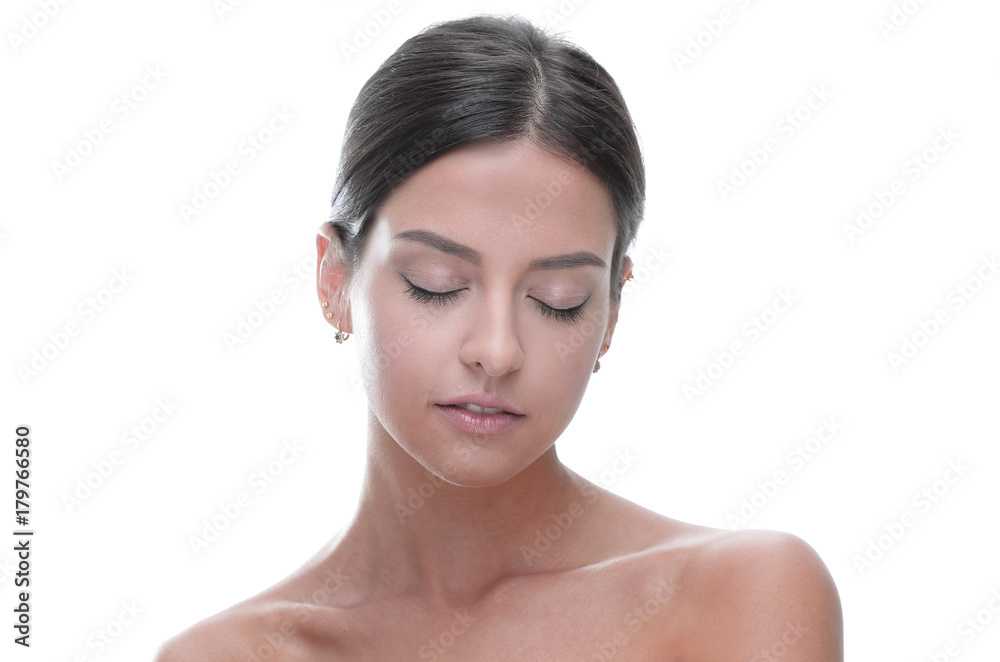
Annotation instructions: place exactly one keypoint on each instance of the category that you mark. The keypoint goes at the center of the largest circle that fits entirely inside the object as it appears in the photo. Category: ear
(332, 279)
(613, 311)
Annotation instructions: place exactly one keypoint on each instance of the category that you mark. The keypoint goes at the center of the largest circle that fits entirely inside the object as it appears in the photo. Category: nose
(492, 342)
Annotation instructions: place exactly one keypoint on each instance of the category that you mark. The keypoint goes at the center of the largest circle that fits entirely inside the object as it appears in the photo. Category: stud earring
(329, 315)
(597, 366)
(340, 336)
(324, 304)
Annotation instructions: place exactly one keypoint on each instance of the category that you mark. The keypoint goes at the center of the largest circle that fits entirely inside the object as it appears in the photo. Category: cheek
(572, 346)
(387, 347)
(400, 346)
(562, 357)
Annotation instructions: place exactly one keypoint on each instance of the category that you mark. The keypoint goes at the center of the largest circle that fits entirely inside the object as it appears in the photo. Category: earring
(597, 366)
(628, 277)
(340, 336)
(324, 304)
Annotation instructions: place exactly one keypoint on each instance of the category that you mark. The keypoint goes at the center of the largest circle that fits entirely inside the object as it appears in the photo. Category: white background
(63, 238)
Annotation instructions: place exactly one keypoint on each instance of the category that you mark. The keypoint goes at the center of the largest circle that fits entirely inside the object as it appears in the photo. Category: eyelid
(429, 296)
(563, 314)
(546, 297)
(568, 315)
(435, 277)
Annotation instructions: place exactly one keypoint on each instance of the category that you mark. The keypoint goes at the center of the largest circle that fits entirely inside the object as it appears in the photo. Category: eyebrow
(437, 242)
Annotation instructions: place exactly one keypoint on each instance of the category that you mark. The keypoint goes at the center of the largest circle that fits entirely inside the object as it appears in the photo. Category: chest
(551, 620)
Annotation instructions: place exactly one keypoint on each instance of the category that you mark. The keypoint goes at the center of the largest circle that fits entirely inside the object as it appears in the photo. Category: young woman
(490, 186)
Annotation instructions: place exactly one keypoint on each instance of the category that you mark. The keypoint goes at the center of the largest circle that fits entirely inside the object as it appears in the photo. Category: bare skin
(474, 546)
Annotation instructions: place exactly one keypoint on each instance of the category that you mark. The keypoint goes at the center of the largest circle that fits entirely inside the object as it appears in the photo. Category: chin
(473, 477)
(474, 469)
(478, 465)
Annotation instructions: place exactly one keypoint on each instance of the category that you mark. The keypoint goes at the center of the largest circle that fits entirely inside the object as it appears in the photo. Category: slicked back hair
(485, 78)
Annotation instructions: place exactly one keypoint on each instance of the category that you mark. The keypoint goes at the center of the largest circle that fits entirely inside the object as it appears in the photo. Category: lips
(476, 409)
(481, 403)
(476, 423)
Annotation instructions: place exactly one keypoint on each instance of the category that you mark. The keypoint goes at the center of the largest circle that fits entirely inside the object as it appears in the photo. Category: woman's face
(486, 275)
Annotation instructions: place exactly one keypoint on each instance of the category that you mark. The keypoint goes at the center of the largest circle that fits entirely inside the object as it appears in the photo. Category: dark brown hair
(485, 78)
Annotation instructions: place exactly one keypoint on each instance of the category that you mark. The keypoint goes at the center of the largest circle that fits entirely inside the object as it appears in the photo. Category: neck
(419, 535)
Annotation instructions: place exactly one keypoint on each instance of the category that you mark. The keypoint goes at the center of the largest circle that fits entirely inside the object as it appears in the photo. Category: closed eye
(422, 295)
(562, 314)
(429, 296)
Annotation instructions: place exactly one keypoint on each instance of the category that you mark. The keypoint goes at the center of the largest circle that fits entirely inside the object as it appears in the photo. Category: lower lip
(474, 423)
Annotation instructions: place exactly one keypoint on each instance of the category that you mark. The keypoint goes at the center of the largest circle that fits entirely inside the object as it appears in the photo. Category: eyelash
(568, 315)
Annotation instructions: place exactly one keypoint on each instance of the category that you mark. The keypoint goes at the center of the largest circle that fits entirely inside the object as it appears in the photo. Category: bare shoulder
(764, 593)
(215, 638)
(291, 620)
(255, 629)
(750, 594)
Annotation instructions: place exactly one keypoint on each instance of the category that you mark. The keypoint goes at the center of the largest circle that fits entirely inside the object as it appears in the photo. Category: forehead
(509, 197)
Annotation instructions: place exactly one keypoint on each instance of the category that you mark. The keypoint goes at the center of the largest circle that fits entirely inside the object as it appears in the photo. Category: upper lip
(483, 400)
